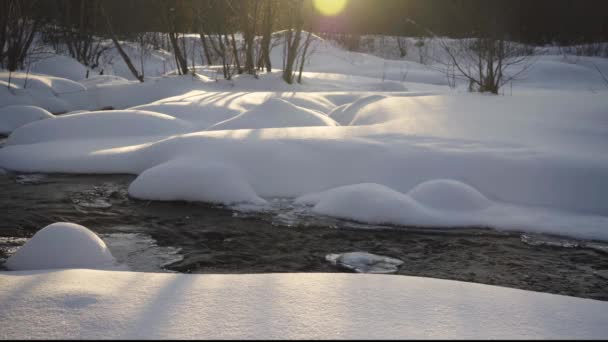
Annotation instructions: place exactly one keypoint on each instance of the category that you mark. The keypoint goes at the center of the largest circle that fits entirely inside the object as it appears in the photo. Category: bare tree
(486, 63)
(79, 38)
(122, 53)
(17, 34)
(402, 44)
(292, 38)
(264, 59)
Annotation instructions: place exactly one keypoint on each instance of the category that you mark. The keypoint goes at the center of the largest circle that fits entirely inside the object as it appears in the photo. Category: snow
(275, 113)
(194, 180)
(370, 203)
(90, 304)
(12, 117)
(102, 124)
(61, 245)
(60, 66)
(448, 194)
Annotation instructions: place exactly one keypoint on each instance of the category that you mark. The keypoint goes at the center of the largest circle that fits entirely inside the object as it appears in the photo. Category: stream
(200, 238)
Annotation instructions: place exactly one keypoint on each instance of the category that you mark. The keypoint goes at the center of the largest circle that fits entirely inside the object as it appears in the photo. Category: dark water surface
(198, 238)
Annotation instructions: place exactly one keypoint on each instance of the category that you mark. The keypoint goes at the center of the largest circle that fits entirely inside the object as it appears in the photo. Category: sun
(329, 7)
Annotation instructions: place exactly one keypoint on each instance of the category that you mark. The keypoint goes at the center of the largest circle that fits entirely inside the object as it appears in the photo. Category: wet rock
(362, 262)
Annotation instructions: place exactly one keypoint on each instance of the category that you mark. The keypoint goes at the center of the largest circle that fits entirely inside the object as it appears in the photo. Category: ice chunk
(62, 245)
(362, 262)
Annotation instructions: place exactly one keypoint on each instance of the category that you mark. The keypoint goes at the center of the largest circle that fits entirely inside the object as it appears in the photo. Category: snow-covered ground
(90, 304)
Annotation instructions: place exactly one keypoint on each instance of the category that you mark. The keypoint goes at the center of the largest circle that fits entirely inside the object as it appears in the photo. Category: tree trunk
(122, 53)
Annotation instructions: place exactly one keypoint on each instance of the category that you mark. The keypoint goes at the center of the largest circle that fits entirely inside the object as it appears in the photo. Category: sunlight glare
(329, 7)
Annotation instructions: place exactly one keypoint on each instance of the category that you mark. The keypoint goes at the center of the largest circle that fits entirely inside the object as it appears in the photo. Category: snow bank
(51, 93)
(60, 66)
(194, 180)
(89, 304)
(370, 203)
(99, 125)
(446, 203)
(61, 245)
(13, 117)
(275, 112)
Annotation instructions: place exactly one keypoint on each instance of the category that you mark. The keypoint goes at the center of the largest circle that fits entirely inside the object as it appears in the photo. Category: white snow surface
(97, 125)
(275, 113)
(90, 304)
(194, 180)
(15, 116)
(62, 245)
(60, 66)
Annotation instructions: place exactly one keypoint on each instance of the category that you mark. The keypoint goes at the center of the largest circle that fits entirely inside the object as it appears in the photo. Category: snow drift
(194, 180)
(13, 117)
(62, 245)
(275, 112)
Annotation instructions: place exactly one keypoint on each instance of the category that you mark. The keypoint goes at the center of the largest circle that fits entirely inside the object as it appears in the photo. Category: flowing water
(199, 238)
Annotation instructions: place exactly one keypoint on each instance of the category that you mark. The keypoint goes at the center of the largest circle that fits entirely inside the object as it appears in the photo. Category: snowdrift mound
(99, 125)
(51, 84)
(366, 202)
(273, 113)
(60, 66)
(51, 93)
(194, 180)
(345, 114)
(446, 194)
(201, 115)
(13, 117)
(62, 245)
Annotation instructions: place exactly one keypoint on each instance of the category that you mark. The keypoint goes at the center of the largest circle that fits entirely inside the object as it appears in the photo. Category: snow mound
(194, 180)
(446, 194)
(273, 113)
(99, 125)
(13, 117)
(366, 202)
(362, 262)
(345, 114)
(51, 84)
(60, 66)
(202, 115)
(48, 92)
(381, 111)
(62, 245)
